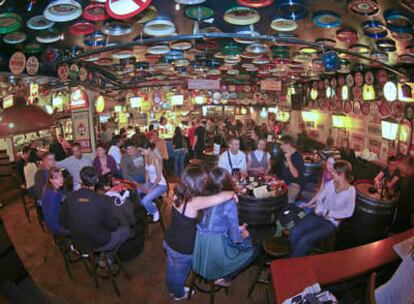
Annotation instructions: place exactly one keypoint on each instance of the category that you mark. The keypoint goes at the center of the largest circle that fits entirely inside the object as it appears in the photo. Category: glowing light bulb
(177, 7)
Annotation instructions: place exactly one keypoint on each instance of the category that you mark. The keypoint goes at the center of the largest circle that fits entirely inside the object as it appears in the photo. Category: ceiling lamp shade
(389, 129)
(22, 118)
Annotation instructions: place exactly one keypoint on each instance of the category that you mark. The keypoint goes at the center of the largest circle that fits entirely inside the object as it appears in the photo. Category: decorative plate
(255, 3)
(357, 92)
(181, 45)
(398, 21)
(322, 103)
(104, 61)
(384, 109)
(397, 110)
(124, 9)
(365, 108)
(246, 40)
(347, 107)
(326, 42)
(159, 27)
(326, 19)
(283, 25)
(357, 107)
(292, 9)
(241, 16)
(374, 29)
(39, 22)
(347, 35)
(15, 38)
(209, 45)
(199, 12)
(404, 58)
(63, 10)
(386, 45)
(95, 12)
(190, 2)
(96, 39)
(9, 22)
(334, 82)
(330, 105)
(382, 76)
(123, 54)
(116, 28)
(409, 112)
(82, 28)
(158, 49)
(369, 78)
(403, 37)
(380, 56)
(32, 48)
(359, 79)
(364, 7)
(350, 80)
(360, 48)
(48, 36)
(338, 105)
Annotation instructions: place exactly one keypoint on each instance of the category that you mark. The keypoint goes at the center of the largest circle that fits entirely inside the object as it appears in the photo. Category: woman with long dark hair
(52, 199)
(180, 235)
(223, 247)
(104, 163)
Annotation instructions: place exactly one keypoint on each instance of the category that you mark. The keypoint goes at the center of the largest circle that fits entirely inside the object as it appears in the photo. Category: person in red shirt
(150, 132)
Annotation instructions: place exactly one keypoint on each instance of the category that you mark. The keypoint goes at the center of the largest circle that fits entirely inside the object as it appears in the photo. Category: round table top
(280, 188)
(363, 190)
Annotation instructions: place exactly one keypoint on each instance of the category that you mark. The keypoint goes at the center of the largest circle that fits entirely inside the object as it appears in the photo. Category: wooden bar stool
(274, 248)
(159, 202)
(197, 282)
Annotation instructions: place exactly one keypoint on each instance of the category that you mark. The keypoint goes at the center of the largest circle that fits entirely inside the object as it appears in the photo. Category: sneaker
(156, 216)
(222, 283)
(186, 295)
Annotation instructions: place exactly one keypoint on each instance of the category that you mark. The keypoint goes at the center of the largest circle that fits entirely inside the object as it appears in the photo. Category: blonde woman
(155, 182)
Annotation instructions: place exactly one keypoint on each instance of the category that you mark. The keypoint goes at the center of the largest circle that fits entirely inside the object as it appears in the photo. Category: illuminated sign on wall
(390, 91)
(78, 100)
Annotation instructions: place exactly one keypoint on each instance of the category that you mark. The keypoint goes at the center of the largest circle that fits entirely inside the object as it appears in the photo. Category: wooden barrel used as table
(261, 211)
(372, 218)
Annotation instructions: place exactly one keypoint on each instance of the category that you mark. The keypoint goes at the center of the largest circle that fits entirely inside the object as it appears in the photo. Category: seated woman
(104, 163)
(155, 182)
(258, 161)
(51, 202)
(334, 203)
(346, 152)
(180, 235)
(390, 176)
(221, 224)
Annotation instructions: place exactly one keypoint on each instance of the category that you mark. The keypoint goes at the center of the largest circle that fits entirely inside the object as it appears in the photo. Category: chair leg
(25, 207)
(192, 280)
(261, 267)
(212, 291)
(111, 275)
(66, 259)
(94, 266)
(121, 266)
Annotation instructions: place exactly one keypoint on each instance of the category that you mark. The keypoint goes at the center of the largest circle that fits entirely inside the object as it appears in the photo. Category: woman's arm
(232, 222)
(392, 183)
(203, 202)
(378, 178)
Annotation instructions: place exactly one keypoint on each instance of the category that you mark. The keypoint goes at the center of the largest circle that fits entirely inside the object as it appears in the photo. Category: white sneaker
(186, 295)
(156, 216)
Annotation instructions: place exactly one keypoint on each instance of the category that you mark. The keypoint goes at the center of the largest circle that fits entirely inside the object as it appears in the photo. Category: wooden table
(291, 276)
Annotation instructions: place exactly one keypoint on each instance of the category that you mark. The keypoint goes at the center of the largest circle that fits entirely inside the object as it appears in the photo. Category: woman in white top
(335, 202)
(258, 161)
(155, 183)
(115, 150)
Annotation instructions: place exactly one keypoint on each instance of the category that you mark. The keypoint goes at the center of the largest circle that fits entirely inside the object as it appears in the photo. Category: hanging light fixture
(389, 129)
(22, 118)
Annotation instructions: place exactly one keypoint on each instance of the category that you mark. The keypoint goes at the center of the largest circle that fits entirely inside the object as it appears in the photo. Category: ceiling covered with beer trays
(286, 39)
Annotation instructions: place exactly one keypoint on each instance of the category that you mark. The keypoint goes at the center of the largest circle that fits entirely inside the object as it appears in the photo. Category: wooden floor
(44, 263)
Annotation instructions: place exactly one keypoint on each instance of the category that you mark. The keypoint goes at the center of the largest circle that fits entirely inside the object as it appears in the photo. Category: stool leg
(256, 278)
(212, 291)
(162, 224)
(121, 266)
(25, 207)
(192, 280)
(66, 259)
(94, 266)
(111, 275)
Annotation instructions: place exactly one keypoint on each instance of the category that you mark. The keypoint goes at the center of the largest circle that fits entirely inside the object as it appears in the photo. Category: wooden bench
(291, 276)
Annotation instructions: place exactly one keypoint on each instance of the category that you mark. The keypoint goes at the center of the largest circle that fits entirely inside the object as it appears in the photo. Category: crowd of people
(67, 187)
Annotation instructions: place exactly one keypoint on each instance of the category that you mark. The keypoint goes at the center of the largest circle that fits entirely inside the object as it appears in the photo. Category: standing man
(233, 160)
(74, 164)
(57, 149)
(292, 172)
(133, 164)
(199, 139)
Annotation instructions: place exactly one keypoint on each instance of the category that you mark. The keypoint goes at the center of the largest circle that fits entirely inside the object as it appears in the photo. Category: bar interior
(207, 151)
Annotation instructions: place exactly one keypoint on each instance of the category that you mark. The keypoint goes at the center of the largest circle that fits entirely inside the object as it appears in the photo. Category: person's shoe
(156, 216)
(186, 294)
(222, 283)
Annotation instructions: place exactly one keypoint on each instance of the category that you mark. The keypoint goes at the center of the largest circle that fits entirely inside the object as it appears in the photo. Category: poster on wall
(271, 85)
(204, 84)
(81, 130)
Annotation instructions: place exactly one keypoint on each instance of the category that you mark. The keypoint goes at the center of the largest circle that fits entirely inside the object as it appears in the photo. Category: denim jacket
(224, 219)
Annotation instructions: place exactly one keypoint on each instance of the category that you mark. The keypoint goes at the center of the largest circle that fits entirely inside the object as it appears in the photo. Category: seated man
(335, 202)
(390, 176)
(90, 217)
(330, 150)
(258, 161)
(48, 162)
(133, 164)
(233, 160)
(292, 172)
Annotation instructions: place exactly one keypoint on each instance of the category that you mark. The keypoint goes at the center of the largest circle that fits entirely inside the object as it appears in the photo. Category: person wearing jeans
(179, 161)
(336, 201)
(155, 182)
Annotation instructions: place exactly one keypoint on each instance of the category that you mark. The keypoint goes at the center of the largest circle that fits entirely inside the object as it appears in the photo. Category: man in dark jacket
(90, 219)
(48, 162)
